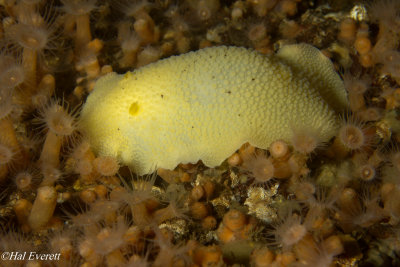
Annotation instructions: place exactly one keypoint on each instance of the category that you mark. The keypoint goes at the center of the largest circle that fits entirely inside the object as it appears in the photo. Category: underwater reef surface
(301, 201)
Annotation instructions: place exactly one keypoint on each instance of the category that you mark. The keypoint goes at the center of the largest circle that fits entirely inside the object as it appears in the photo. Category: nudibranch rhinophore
(206, 104)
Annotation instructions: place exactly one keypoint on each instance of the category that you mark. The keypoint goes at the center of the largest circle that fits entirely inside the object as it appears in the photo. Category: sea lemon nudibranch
(206, 104)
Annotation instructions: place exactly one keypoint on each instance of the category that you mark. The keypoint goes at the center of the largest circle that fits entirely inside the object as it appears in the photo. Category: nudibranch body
(204, 105)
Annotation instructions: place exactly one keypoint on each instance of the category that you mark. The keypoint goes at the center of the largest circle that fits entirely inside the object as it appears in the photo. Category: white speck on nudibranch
(206, 104)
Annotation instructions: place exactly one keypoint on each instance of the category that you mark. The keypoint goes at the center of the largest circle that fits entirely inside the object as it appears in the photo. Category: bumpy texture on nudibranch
(206, 104)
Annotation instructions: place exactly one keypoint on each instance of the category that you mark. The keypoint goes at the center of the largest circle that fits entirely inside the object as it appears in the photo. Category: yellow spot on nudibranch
(134, 109)
(269, 97)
